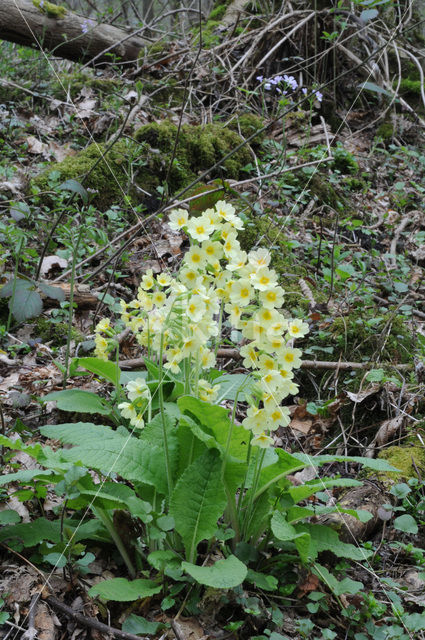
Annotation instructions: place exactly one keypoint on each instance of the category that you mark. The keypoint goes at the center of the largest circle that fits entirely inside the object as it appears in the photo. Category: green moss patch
(198, 149)
(75, 82)
(147, 159)
(56, 332)
(408, 460)
(52, 10)
(109, 173)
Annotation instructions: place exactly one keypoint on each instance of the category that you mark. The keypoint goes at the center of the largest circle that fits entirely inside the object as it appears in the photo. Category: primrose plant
(180, 321)
(191, 457)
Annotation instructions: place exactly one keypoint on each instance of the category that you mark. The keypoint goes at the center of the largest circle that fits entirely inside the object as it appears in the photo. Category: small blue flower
(260, 78)
(267, 86)
(41, 5)
(304, 90)
(319, 96)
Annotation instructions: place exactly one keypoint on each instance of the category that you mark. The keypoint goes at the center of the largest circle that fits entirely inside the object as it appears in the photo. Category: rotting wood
(72, 36)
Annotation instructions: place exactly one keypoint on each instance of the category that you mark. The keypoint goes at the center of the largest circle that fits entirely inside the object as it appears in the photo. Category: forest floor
(338, 198)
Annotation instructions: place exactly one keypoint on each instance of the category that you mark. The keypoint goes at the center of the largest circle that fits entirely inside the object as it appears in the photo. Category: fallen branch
(66, 34)
(90, 623)
(227, 352)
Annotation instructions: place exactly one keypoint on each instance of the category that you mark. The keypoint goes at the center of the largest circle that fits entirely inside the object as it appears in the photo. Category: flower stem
(164, 426)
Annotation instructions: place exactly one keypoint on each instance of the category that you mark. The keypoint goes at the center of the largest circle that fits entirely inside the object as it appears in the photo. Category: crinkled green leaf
(324, 538)
(104, 368)
(25, 476)
(224, 574)
(309, 489)
(32, 533)
(7, 290)
(286, 532)
(122, 590)
(9, 516)
(198, 501)
(234, 385)
(215, 423)
(137, 625)
(101, 448)
(78, 401)
(369, 463)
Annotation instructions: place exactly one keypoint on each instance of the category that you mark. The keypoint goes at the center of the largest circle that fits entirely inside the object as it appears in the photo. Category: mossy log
(42, 24)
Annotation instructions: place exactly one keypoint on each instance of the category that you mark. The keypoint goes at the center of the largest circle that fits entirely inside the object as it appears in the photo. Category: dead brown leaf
(357, 398)
(37, 147)
(310, 584)
(44, 622)
(51, 263)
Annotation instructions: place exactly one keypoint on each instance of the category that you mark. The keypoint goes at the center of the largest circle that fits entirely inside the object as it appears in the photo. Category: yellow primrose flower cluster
(181, 317)
(140, 397)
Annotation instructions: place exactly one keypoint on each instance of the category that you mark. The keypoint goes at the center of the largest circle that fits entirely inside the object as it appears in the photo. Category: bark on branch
(66, 34)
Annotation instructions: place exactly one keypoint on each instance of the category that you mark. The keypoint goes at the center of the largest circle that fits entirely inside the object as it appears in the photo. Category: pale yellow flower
(159, 298)
(241, 292)
(289, 357)
(297, 328)
(178, 219)
(147, 280)
(137, 389)
(103, 325)
(195, 257)
(213, 250)
(262, 440)
(200, 228)
(263, 279)
(206, 358)
(266, 363)
(164, 280)
(225, 211)
(272, 298)
(235, 312)
(208, 392)
(259, 258)
(190, 278)
(250, 355)
(278, 417)
(195, 308)
(237, 261)
(254, 331)
(255, 419)
(101, 347)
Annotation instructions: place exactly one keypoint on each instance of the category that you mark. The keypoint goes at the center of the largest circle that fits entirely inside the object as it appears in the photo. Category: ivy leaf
(9, 516)
(75, 187)
(137, 625)
(54, 293)
(122, 590)
(406, 524)
(262, 581)
(26, 304)
(224, 574)
(198, 501)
